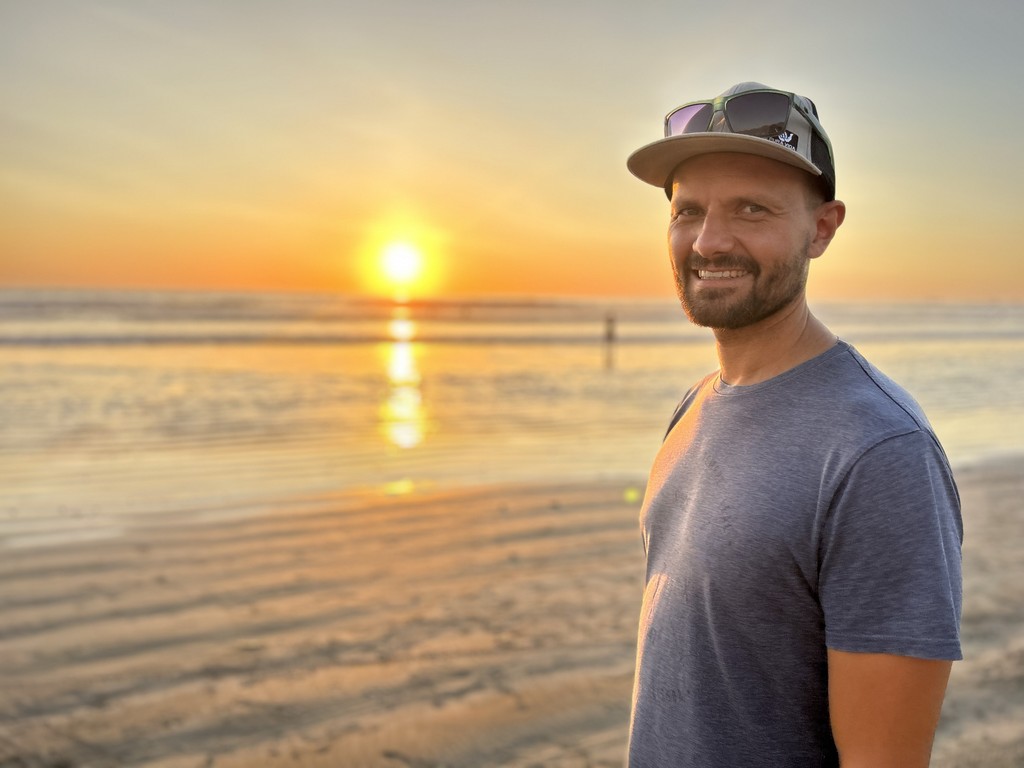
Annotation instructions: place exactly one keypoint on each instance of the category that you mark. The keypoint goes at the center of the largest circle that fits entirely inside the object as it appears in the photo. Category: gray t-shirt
(814, 510)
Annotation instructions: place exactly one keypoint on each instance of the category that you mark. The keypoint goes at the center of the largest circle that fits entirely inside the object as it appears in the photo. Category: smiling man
(801, 524)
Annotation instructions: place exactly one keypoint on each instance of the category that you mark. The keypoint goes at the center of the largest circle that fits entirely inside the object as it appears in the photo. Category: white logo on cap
(787, 139)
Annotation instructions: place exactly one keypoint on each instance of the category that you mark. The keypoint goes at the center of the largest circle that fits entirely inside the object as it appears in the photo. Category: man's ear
(827, 219)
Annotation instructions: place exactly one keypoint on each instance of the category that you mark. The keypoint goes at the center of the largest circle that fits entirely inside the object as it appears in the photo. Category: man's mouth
(725, 274)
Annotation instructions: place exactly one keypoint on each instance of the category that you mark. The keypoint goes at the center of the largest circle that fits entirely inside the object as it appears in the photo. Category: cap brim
(655, 162)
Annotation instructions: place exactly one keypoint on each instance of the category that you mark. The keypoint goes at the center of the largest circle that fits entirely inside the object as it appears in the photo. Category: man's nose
(715, 236)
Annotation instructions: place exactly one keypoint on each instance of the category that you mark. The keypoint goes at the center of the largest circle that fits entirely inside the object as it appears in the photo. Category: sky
(259, 145)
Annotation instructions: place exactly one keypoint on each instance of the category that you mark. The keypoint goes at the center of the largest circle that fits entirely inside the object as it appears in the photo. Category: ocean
(118, 404)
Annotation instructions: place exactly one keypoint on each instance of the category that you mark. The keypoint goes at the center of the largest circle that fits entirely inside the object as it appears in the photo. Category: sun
(402, 264)
(402, 269)
(400, 257)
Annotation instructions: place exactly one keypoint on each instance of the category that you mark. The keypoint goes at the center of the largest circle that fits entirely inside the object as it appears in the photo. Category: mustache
(724, 262)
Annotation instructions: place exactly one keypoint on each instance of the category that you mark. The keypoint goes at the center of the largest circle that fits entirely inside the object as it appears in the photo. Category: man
(801, 523)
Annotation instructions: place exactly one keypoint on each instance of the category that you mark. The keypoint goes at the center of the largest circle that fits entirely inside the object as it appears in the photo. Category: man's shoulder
(838, 399)
(838, 396)
(864, 390)
(688, 399)
(839, 382)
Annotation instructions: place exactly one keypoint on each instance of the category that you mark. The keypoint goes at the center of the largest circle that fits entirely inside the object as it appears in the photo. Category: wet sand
(486, 627)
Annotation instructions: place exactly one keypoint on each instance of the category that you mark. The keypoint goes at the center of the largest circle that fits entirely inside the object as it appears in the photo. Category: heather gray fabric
(812, 510)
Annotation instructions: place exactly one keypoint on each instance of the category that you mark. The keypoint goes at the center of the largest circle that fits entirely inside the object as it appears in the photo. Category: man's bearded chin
(716, 309)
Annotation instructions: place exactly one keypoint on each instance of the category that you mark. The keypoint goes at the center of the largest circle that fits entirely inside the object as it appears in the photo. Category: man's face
(739, 238)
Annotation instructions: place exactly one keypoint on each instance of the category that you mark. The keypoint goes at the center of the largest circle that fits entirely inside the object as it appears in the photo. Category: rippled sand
(474, 628)
(492, 627)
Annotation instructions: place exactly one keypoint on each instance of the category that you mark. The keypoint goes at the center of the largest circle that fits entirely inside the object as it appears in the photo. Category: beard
(716, 308)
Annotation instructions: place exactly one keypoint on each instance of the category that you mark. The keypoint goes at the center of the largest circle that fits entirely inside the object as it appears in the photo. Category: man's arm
(884, 708)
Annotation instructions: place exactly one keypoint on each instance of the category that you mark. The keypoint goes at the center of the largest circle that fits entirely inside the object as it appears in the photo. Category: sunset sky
(288, 145)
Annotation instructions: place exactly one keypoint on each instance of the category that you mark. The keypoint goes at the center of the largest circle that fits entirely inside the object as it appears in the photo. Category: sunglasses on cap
(764, 114)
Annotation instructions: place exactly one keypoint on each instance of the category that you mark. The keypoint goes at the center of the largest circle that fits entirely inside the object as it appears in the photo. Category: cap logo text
(786, 139)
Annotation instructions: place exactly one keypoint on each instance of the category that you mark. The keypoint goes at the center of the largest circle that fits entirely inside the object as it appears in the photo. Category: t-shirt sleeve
(890, 567)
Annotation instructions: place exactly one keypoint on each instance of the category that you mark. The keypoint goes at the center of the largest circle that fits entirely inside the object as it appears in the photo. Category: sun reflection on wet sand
(402, 414)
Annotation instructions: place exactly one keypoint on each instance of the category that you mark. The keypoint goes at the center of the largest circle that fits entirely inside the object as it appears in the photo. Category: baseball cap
(749, 118)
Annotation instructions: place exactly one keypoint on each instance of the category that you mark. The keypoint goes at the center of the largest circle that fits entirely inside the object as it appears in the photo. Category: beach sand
(484, 627)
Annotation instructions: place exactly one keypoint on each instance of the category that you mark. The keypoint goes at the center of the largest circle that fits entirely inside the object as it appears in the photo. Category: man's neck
(772, 346)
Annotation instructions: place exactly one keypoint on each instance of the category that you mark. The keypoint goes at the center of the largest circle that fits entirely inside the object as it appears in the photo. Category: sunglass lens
(693, 118)
(758, 114)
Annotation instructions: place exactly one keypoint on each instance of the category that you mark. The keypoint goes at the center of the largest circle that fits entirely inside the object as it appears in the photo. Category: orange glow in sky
(336, 147)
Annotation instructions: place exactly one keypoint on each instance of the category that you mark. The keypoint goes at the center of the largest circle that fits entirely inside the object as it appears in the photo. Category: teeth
(706, 274)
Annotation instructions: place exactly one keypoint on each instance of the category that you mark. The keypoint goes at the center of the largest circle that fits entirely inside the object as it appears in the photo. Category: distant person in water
(801, 523)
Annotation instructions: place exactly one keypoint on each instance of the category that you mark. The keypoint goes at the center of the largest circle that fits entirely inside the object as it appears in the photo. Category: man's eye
(753, 208)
